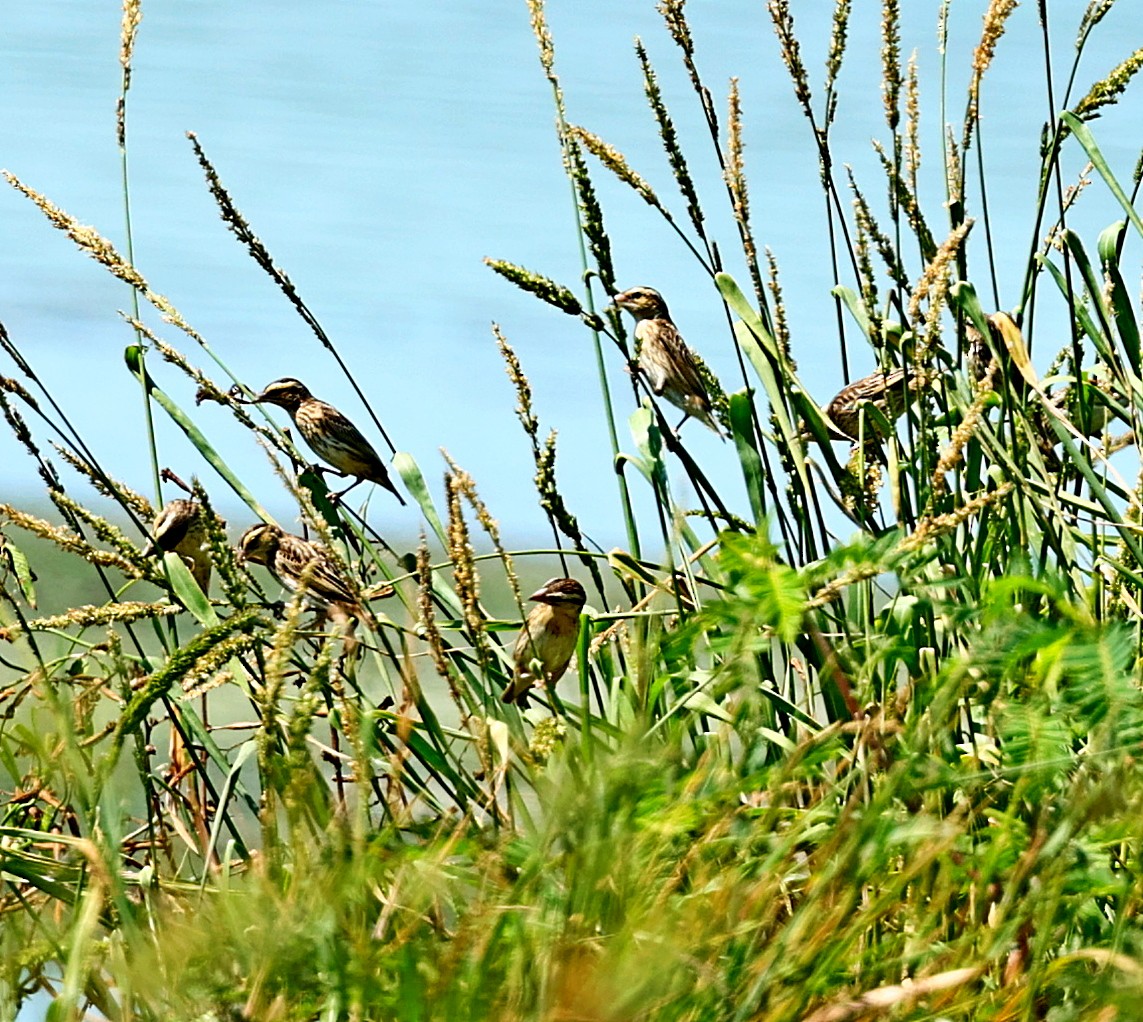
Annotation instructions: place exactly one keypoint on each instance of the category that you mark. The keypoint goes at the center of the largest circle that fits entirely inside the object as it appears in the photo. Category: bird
(888, 391)
(330, 435)
(179, 527)
(664, 358)
(548, 639)
(301, 564)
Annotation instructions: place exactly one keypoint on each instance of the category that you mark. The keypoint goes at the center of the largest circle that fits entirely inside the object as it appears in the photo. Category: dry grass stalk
(129, 29)
(951, 455)
(933, 286)
(995, 19)
(524, 410)
(113, 489)
(1108, 90)
(735, 173)
(781, 324)
(670, 139)
(88, 616)
(466, 485)
(891, 62)
(617, 163)
(912, 124)
(466, 579)
(838, 37)
(67, 540)
(427, 625)
(929, 528)
(102, 251)
(791, 50)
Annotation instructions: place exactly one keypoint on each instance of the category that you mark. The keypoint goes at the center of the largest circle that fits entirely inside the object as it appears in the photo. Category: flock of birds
(549, 634)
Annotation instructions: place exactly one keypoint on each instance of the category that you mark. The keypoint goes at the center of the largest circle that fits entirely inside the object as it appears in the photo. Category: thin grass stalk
(261, 255)
(783, 21)
(54, 484)
(614, 161)
(734, 177)
(675, 156)
(1058, 133)
(132, 15)
(1077, 353)
(568, 148)
(674, 16)
(677, 160)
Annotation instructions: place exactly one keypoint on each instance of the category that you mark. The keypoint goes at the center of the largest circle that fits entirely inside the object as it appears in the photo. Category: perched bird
(179, 527)
(329, 434)
(301, 563)
(664, 358)
(889, 392)
(547, 640)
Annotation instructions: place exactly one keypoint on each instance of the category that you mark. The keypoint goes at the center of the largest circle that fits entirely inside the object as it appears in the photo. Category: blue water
(381, 150)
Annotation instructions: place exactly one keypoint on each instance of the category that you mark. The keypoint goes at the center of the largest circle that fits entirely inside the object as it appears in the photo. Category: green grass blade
(1087, 140)
(742, 426)
(410, 472)
(1125, 321)
(134, 362)
(187, 590)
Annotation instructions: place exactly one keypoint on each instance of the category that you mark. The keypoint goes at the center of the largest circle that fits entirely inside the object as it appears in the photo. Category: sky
(382, 150)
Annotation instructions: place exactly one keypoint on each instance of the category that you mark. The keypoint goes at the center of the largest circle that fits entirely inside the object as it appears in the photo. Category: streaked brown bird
(889, 392)
(548, 639)
(179, 528)
(664, 358)
(303, 564)
(330, 435)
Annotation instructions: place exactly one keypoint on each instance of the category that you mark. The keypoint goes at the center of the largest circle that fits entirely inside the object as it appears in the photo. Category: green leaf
(133, 357)
(20, 568)
(1125, 322)
(852, 301)
(649, 442)
(697, 701)
(1087, 140)
(187, 590)
(245, 751)
(965, 298)
(405, 465)
(742, 430)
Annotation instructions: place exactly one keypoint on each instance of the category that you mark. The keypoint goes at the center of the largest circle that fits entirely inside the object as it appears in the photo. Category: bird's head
(173, 524)
(286, 393)
(258, 543)
(561, 592)
(642, 302)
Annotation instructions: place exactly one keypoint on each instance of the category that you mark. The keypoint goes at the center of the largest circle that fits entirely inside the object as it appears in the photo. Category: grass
(864, 747)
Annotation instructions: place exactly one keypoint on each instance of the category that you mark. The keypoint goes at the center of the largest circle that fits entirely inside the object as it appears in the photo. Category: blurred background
(382, 150)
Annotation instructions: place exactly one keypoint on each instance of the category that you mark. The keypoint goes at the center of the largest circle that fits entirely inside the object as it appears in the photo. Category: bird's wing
(683, 359)
(324, 581)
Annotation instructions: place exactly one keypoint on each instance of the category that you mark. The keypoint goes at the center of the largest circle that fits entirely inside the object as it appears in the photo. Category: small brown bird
(548, 639)
(179, 528)
(664, 358)
(301, 563)
(889, 392)
(330, 435)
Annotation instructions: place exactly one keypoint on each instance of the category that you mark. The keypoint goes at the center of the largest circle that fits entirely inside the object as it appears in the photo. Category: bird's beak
(621, 299)
(540, 595)
(238, 397)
